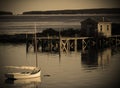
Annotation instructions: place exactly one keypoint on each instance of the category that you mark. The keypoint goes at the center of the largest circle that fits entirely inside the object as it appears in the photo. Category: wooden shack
(104, 28)
(88, 27)
(96, 27)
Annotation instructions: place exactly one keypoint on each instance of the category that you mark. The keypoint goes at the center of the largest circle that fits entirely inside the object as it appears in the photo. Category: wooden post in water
(36, 46)
(51, 45)
(59, 46)
(82, 44)
(75, 45)
(26, 43)
(68, 45)
(116, 41)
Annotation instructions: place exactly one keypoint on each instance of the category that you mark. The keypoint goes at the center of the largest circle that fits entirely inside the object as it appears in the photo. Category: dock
(65, 44)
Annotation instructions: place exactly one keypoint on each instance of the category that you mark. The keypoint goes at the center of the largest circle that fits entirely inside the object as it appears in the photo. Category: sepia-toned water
(18, 24)
(92, 68)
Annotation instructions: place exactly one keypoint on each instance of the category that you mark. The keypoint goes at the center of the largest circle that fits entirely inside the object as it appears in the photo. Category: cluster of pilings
(65, 44)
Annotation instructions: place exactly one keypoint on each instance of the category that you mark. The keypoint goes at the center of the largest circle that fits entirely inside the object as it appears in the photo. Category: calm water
(90, 69)
(25, 23)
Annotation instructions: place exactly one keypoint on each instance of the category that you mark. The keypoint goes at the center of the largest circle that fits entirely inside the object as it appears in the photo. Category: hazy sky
(19, 6)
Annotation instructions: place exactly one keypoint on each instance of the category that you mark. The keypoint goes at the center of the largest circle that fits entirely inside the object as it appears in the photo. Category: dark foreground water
(90, 69)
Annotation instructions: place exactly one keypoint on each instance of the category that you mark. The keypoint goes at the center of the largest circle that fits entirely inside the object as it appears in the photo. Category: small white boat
(24, 75)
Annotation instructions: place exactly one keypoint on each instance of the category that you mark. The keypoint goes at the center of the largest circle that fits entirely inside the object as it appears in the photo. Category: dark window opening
(100, 27)
(107, 27)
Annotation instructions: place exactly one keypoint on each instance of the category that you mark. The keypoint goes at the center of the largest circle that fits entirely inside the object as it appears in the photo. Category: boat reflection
(29, 82)
(93, 58)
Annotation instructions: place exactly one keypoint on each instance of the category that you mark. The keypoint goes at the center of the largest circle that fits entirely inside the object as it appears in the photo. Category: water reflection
(27, 82)
(104, 57)
(60, 69)
(94, 58)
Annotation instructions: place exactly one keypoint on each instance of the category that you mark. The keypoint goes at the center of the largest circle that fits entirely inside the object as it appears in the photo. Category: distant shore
(79, 11)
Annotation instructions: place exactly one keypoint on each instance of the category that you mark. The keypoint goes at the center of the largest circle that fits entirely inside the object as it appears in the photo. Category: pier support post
(116, 41)
(83, 44)
(75, 45)
(64, 45)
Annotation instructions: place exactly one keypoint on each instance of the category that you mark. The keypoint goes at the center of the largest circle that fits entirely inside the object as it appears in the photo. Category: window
(107, 27)
(100, 27)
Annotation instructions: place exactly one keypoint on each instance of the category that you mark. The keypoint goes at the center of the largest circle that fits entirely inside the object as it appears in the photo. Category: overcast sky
(19, 6)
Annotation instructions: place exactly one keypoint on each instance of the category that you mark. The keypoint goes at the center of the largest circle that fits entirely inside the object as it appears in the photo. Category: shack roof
(95, 20)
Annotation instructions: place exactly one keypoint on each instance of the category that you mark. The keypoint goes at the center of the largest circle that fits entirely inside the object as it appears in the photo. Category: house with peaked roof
(104, 28)
(98, 27)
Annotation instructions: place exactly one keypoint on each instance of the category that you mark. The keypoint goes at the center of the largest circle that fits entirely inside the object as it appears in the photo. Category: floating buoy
(46, 75)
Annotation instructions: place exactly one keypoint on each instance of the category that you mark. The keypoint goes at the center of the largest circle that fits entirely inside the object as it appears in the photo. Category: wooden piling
(66, 44)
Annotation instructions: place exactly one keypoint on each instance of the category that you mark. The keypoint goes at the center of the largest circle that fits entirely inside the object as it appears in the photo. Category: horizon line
(57, 10)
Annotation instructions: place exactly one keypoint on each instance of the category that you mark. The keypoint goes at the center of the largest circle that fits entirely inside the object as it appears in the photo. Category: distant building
(104, 28)
(88, 27)
(93, 28)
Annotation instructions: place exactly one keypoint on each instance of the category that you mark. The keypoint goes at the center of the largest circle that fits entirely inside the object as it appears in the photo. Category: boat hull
(23, 75)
